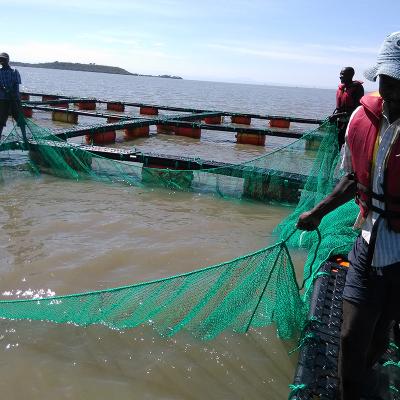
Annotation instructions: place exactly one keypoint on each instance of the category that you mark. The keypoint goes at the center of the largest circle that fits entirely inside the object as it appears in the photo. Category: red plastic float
(279, 123)
(28, 112)
(120, 107)
(194, 133)
(241, 119)
(148, 110)
(60, 105)
(49, 98)
(87, 105)
(213, 120)
(101, 138)
(165, 129)
(250, 138)
(24, 96)
(133, 133)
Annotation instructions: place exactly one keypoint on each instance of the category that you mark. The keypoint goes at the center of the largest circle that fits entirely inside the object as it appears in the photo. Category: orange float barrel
(279, 123)
(28, 112)
(116, 106)
(24, 96)
(64, 116)
(101, 137)
(241, 119)
(165, 129)
(256, 139)
(87, 105)
(213, 120)
(133, 133)
(60, 105)
(146, 110)
(49, 98)
(194, 133)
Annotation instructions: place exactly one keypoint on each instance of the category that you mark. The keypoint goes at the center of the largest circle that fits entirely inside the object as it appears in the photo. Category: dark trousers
(13, 108)
(370, 307)
(364, 339)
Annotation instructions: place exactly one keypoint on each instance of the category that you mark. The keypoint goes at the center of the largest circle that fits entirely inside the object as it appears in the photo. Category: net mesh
(254, 290)
(235, 295)
(336, 234)
(274, 176)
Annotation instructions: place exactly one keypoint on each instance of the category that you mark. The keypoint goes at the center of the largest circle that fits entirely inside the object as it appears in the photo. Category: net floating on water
(252, 291)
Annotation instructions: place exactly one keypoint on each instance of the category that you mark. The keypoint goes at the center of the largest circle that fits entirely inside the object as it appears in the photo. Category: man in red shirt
(348, 97)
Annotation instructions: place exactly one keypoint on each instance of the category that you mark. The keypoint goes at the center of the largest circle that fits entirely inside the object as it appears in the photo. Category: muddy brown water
(59, 237)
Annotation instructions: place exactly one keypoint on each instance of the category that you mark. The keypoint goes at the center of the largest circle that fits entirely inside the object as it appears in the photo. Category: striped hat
(388, 62)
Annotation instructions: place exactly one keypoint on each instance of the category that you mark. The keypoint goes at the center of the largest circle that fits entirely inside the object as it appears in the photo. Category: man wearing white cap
(10, 103)
(371, 162)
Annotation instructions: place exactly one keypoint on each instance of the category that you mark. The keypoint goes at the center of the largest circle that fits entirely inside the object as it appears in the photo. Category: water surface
(59, 237)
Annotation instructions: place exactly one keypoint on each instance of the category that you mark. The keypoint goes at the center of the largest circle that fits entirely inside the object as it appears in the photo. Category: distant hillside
(86, 67)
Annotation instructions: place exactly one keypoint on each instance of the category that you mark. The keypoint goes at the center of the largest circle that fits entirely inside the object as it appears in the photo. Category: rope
(313, 260)
(390, 363)
(321, 273)
(307, 338)
(294, 389)
(265, 287)
(393, 346)
(394, 389)
(293, 232)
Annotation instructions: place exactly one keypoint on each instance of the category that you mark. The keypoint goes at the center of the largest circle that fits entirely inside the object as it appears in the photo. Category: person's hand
(332, 118)
(308, 221)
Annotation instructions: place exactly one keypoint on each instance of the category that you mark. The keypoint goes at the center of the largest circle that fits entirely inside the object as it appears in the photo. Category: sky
(293, 43)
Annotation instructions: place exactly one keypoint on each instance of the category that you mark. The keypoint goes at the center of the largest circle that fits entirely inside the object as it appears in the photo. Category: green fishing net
(254, 290)
(276, 176)
(336, 234)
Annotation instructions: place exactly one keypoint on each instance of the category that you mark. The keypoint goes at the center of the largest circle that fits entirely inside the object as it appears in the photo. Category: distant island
(87, 68)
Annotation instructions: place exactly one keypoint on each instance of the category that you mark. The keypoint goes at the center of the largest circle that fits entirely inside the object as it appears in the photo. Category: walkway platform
(189, 122)
(316, 374)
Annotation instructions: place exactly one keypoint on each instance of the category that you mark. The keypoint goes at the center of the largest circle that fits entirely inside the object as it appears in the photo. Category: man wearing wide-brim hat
(371, 162)
(10, 103)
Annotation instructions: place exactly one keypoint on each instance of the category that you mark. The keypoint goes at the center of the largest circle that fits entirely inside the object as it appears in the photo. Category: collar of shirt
(385, 115)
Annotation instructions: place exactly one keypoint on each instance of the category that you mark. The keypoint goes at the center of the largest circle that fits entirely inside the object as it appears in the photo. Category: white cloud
(346, 49)
(304, 53)
(122, 38)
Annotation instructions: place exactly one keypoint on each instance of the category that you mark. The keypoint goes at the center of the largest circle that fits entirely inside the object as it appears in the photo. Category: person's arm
(336, 115)
(344, 191)
(17, 82)
(333, 117)
(358, 94)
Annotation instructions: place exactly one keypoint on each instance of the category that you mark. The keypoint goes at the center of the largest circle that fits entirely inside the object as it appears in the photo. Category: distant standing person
(348, 96)
(10, 102)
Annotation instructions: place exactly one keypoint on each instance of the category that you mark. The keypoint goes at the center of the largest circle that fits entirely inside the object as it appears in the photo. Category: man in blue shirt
(10, 103)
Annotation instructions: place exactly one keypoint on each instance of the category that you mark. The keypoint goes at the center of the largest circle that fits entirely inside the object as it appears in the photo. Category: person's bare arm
(344, 191)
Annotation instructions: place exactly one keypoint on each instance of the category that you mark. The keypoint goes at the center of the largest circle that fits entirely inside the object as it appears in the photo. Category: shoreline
(67, 66)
